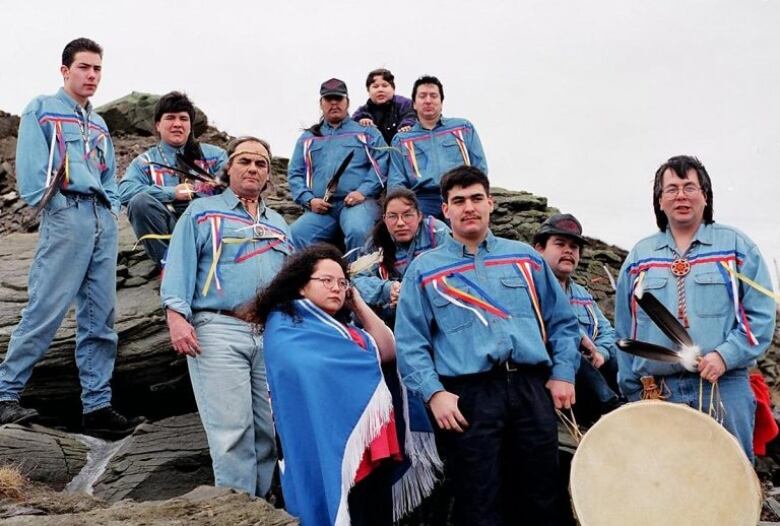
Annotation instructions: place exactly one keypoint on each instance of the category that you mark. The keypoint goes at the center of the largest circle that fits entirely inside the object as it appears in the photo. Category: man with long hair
(156, 188)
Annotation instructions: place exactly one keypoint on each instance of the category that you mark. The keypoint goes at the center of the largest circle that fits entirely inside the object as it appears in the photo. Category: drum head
(657, 463)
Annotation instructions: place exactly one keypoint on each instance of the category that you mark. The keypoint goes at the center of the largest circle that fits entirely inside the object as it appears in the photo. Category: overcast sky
(576, 101)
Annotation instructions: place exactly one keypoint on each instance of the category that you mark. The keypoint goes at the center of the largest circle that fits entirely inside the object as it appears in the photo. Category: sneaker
(13, 413)
(107, 423)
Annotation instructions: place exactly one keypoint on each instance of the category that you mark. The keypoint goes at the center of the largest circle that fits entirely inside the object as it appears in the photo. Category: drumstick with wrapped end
(688, 357)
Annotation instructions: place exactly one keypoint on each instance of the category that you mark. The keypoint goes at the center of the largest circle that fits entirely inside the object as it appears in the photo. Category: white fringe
(375, 416)
(421, 477)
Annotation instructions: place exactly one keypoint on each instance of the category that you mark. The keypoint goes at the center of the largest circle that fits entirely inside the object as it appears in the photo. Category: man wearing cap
(155, 187)
(339, 198)
(559, 240)
(486, 336)
(224, 248)
(433, 145)
(710, 276)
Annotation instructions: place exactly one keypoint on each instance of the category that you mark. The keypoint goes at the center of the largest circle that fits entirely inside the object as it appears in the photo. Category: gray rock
(133, 114)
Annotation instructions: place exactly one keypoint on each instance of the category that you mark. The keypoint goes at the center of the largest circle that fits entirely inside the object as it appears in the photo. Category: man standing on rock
(710, 277)
(421, 155)
(487, 337)
(63, 142)
(224, 248)
(155, 187)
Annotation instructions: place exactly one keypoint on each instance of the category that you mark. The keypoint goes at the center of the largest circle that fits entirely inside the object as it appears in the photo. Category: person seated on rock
(225, 247)
(333, 408)
(155, 188)
(399, 237)
(337, 202)
(559, 240)
(66, 166)
(435, 144)
(389, 112)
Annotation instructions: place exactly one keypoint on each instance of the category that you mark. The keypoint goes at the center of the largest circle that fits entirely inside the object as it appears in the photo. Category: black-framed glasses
(406, 216)
(329, 281)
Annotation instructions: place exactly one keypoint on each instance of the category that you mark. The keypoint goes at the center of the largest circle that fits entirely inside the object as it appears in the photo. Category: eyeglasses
(689, 190)
(406, 216)
(329, 281)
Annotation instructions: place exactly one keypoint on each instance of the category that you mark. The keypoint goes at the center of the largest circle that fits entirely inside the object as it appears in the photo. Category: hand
(354, 198)
(712, 366)
(353, 300)
(404, 129)
(444, 406)
(395, 292)
(592, 352)
(183, 192)
(319, 206)
(562, 393)
(365, 121)
(183, 338)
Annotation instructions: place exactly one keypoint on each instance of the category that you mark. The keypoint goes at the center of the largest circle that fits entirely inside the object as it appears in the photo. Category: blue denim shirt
(374, 284)
(249, 258)
(709, 298)
(420, 157)
(315, 160)
(160, 183)
(593, 323)
(435, 336)
(56, 126)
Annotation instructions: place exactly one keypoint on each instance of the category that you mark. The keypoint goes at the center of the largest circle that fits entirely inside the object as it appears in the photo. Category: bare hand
(354, 198)
(319, 206)
(712, 366)
(404, 129)
(183, 192)
(183, 338)
(354, 300)
(444, 406)
(592, 352)
(562, 393)
(395, 292)
(365, 121)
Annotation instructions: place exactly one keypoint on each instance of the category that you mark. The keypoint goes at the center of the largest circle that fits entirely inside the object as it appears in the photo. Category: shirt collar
(459, 249)
(233, 202)
(703, 236)
(70, 101)
(168, 149)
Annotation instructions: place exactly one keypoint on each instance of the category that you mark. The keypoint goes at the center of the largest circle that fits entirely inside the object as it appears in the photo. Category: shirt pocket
(655, 286)
(515, 297)
(450, 317)
(710, 295)
(74, 146)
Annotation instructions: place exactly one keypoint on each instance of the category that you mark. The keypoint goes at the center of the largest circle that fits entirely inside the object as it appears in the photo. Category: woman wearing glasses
(332, 409)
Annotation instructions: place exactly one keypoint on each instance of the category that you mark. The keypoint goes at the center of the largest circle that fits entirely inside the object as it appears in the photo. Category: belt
(505, 368)
(85, 197)
(222, 312)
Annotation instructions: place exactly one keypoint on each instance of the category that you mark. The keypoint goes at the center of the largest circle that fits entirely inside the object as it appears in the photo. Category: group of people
(490, 335)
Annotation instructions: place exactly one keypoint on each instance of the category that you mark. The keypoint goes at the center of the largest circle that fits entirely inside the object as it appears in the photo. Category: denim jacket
(316, 159)
(54, 128)
(461, 314)
(249, 256)
(593, 323)
(160, 183)
(420, 157)
(374, 284)
(712, 307)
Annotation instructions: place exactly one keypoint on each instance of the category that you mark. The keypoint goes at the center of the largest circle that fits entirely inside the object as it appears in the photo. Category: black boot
(13, 413)
(107, 423)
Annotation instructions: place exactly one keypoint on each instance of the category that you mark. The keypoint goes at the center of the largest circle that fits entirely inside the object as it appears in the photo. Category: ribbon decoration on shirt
(307, 162)
(216, 251)
(524, 269)
(587, 304)
(409, 145)
(156, 175)
(361, 137)
(729, 275)
(458, 133)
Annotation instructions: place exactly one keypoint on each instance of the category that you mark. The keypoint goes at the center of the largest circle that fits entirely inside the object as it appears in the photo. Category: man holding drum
(709, 276)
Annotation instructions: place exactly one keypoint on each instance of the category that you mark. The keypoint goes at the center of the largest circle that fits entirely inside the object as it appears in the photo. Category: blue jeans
(355, 222)
(75, 260)
(147, 215)
(735, 394)
(229, 382)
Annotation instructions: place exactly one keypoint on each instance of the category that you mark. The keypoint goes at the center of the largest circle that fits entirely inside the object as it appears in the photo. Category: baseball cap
(561, 225)
(333, 87)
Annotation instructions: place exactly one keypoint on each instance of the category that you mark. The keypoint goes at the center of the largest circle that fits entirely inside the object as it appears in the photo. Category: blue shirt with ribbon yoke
(220, 256)
(593, 323)
(374, 283)
(702, 288)
(316, 158)
(461, 314)
(143, 175)
(420, 156)
(56, 132)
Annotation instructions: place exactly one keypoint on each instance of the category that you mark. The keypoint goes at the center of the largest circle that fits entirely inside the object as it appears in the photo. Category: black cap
(333, 87)
(561, 225)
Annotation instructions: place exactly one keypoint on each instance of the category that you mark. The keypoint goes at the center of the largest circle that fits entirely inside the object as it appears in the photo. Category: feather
(664, 319)
(687, 356)
(333, 183)
(53, 188)
(365, 262)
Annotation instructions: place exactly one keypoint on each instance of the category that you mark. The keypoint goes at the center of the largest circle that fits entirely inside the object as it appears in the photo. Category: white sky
(576, 101)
